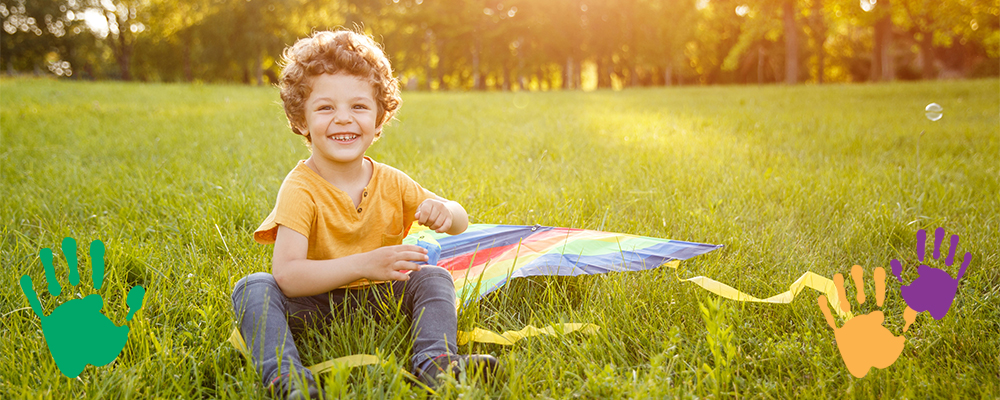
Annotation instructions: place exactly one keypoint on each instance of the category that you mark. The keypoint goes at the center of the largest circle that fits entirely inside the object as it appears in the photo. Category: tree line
(514, 44)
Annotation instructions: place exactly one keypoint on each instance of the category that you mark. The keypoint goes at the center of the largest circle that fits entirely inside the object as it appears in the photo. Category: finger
(858, 275)
(445, 226)
(399, 276)
(951, 252)
(134, 300)
(439, 222)
(97, 262)
(921, 245)
(410, 247)
(405, 265)
(29, 292)
(411, 256)
(50, 273)
(826, 311)
(434, 214)
(938, 237)
(879, 286)
(965, 263)
(838, 280)
(897, 269)
(69, 252)
(909, 315)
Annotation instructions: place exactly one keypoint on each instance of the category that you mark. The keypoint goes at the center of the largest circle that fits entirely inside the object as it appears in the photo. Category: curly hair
(334, 52)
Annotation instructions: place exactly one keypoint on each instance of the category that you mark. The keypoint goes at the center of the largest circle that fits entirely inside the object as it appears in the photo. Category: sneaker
(289, 389)
(485, 365)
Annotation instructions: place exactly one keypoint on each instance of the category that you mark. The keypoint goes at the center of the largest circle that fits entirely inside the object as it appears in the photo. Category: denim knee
(432, 273)
(257, 282)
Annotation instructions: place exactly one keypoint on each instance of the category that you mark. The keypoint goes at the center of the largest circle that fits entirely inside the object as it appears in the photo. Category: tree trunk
(876, 72)
(821, 64)
(888, 63)
(568, 75)
(439, 68)
(668, 75)
(507, 75)
(260, 69)
(926, 56)
(760, 65)
(603, 75)
(791, 43)
(186, 57)
(821, 34)
(476, 76)
(578, 76)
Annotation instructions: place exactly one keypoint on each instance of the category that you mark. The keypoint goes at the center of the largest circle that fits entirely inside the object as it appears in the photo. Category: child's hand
(434, 214)
(393, 262)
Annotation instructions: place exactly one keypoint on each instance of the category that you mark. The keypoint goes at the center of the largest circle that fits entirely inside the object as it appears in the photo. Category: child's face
(340, 116)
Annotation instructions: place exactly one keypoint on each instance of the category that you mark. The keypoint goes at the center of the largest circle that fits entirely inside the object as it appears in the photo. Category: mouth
(344, 137)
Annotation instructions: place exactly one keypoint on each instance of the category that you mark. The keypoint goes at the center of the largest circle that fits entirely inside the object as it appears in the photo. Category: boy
(340, 218)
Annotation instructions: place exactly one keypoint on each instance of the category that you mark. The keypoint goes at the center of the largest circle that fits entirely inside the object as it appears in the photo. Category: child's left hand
(434, 214)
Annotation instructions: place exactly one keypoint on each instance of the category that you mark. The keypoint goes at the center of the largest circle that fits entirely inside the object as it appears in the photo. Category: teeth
(344, 137)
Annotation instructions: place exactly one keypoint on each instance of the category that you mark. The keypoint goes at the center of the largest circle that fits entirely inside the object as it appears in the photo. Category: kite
(486, 256)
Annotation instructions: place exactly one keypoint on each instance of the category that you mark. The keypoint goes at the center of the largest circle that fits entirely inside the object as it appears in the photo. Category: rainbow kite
(485, 257)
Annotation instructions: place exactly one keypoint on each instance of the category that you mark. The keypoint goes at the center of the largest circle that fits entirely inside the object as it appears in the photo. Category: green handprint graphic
(77, 332)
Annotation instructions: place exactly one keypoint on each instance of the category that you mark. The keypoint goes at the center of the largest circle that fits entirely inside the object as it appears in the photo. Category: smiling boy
(339, 221)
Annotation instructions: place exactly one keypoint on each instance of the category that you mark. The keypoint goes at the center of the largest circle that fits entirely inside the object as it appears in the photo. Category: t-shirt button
(359, 209)
(366, 194)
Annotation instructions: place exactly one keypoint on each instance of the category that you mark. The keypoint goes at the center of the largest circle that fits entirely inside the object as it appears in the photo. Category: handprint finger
(97, 262)
(858, 275)
(69, 252)
(134, 300)
(826, 312)
(921, 245)
(909, 315)
(897, 269)
(879, 286)
(50, 273)
(951, 252)
(838, 280)
(965, 263)
(29, 291)
(938, 237)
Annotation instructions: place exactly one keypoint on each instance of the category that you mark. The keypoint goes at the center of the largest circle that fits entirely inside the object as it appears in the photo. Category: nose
(341, 117)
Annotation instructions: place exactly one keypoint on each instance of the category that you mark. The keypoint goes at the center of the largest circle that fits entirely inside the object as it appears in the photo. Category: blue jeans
(267, 319)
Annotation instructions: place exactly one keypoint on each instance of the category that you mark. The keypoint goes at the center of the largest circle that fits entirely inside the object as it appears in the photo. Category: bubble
(933, 111)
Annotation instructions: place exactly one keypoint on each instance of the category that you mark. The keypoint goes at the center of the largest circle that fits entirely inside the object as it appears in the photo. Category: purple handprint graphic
(935, 289)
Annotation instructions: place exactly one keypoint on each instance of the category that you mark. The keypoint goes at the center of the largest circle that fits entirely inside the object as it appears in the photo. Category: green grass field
(174, 178)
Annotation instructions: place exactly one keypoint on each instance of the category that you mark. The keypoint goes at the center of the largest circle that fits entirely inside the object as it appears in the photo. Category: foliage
(510, 44)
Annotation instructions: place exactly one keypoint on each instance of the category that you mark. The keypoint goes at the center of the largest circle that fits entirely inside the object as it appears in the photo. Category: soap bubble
(933, 111)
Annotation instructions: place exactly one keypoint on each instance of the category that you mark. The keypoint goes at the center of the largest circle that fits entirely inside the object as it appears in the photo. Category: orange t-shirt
(327, 217)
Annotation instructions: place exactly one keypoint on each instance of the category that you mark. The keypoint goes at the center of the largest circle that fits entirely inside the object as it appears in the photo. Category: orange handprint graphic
(863, 341)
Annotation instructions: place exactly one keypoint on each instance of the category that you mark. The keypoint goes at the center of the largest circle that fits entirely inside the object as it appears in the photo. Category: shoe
(289, 389)
(483, 365)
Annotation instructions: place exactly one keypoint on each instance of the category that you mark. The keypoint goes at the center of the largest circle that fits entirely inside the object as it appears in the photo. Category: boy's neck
(346, 177)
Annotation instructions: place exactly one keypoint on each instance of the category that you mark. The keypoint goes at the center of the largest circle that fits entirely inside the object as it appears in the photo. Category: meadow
(174, 179)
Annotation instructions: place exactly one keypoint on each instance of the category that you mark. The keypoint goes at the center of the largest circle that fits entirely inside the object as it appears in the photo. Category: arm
(298, 276)
(443, 216)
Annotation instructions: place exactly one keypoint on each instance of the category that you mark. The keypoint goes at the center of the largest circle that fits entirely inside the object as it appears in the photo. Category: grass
(174, 178)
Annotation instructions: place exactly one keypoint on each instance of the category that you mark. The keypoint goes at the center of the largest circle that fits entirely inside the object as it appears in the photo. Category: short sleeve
(294, 208)
(412, 195)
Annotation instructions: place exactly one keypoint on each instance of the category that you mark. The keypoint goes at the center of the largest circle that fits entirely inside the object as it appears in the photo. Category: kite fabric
(486, 256)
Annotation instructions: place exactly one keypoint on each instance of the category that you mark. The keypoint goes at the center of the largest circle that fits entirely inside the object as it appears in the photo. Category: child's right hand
(394, 262)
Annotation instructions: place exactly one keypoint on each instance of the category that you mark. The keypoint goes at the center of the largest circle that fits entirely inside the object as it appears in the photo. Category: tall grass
(174, 178)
